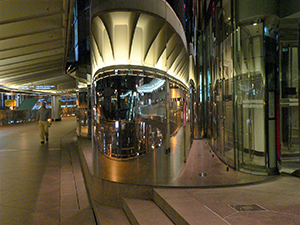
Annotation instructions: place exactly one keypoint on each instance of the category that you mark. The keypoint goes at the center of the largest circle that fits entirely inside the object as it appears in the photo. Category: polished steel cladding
(141, 107)
(134, 113)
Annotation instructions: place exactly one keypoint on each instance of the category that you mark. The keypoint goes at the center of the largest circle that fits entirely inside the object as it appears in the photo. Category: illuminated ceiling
(33, 43)
(141, 39)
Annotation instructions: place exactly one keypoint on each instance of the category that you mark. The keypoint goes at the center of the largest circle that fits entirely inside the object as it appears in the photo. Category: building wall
(248, 9)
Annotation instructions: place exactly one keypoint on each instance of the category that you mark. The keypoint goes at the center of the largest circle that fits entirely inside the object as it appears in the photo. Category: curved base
(199, 161)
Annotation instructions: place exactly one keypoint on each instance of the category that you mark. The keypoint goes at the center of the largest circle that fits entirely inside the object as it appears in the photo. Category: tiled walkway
(229, 196)
(42, 184)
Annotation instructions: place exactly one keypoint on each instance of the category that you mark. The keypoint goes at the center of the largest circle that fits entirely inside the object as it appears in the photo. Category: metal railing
(83, 122)
(16, 116)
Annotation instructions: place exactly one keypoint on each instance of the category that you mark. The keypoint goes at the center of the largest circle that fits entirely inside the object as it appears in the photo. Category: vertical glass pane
(228, 121)
(219, 67)
(82, 114)
(250, 97)
(289, 107)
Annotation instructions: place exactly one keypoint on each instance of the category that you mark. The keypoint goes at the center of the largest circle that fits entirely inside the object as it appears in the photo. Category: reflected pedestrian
(42, 119)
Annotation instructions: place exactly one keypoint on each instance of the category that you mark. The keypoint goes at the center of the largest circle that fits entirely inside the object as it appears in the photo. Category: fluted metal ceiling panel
(134, 38)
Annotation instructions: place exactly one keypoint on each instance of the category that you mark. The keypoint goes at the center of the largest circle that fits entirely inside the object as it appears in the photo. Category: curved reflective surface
(131, 116)
(141, 127)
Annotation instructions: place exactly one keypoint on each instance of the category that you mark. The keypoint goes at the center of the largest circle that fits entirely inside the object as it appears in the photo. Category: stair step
(183, 208)
(144, 212)
(106, 215)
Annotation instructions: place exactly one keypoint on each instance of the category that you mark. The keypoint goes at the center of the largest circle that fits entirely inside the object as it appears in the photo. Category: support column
(168, 97)
(56, 108)
(299, 81)
(271, 88)
(89, 111)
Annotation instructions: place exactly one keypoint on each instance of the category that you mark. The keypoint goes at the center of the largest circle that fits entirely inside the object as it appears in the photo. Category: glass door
(289, 106)
(220, 117)
(227, 100)
(249, 98)
(289, 93)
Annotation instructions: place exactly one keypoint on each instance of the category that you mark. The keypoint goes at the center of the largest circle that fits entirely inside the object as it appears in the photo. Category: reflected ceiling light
(152, 86)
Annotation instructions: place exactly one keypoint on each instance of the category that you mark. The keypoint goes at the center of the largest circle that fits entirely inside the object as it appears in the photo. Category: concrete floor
(42, 183)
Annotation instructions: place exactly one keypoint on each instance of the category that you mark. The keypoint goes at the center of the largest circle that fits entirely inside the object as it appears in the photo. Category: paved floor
(276, 202)
(235, 197)
(42, 184)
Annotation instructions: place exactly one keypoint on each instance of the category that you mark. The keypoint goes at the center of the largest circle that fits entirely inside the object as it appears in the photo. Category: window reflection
(129, 114)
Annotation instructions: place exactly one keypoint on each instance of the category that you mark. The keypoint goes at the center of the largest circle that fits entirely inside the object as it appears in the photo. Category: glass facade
(289, 97)
(239, 64)
(217, 81)
(250, 97)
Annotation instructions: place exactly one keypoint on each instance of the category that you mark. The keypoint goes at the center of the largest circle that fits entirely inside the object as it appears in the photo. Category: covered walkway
(42, 184)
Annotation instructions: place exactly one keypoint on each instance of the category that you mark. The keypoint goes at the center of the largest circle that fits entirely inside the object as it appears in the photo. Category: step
(106, 215)
(144, 212)
(183, 208)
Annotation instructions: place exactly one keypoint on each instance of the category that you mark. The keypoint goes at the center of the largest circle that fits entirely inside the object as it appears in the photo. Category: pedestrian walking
(42, 119)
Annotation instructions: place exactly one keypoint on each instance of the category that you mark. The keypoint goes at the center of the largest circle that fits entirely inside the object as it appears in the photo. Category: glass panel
(250, 129)
(219, 76)
(228, 99)
(82, 114)
(228, 122)
(289, 107)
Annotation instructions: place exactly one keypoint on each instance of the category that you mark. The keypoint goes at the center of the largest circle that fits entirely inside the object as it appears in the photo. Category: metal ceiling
(34, 42)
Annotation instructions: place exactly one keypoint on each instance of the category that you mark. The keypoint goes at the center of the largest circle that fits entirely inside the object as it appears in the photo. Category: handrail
(8, 117)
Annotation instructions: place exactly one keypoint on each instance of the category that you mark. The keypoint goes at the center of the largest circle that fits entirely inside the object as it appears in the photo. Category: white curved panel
(134, 38)
(121, 43)
(96, 57)
(154, 7)
(137, 49)
(161, 64)
(97, 30)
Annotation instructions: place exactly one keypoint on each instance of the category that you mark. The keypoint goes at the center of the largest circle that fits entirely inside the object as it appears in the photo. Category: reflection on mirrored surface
(142, 118)
(83, 114)
(130, 113)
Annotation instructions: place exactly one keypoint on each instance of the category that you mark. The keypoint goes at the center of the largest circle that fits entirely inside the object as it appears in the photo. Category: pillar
(56, 108)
